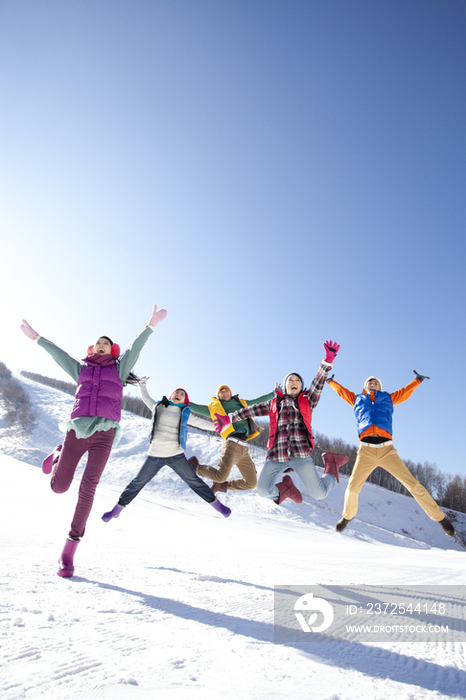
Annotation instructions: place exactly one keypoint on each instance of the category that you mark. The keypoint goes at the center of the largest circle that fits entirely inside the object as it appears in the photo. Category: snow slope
(173, 601)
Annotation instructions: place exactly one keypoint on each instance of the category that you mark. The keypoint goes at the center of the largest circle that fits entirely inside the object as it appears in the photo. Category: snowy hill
(173, 601)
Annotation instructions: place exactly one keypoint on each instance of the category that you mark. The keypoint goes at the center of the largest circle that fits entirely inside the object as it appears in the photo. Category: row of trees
(449, 491)
(129, 403)
(16, 401)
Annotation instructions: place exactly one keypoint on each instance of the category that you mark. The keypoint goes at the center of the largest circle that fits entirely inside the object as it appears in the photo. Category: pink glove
(220, 422)
(331, 350)
(27, 330)
(157, 316)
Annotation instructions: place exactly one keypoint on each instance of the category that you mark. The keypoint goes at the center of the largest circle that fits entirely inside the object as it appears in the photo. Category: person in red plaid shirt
(291, 442)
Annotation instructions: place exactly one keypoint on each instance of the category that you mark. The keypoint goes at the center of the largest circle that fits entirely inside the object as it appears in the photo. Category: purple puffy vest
(100, 389)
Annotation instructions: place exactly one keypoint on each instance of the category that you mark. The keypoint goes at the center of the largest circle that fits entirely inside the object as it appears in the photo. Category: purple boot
(66, 565)
(47, 464)
(220, 508)
(114, 513)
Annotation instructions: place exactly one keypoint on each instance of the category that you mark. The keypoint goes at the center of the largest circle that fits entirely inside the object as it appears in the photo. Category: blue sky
(274, 174)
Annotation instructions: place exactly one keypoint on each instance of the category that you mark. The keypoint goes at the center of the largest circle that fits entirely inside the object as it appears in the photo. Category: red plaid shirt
(292, 438)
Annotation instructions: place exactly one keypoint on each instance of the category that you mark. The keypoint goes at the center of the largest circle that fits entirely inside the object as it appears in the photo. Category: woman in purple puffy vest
(94, 424)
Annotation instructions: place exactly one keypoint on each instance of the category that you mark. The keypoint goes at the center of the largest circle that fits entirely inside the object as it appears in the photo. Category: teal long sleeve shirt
(88, 425)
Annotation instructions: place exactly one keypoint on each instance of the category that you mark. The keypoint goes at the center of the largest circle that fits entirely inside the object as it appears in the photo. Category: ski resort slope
(173, 601)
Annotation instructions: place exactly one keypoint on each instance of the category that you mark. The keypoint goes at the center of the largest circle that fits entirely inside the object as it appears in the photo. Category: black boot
(341, 524)
(447, 527)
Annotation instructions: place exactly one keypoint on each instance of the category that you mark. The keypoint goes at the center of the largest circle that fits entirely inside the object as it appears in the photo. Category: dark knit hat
(296, 374)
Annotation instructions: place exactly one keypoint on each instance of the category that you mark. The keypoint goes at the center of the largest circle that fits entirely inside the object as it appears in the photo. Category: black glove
(329, 379)
(420, 376)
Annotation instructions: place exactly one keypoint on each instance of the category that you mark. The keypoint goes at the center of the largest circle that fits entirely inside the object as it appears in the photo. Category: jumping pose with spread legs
(373, 409)
(94, 425)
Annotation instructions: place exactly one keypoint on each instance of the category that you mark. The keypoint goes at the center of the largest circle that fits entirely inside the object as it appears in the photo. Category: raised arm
(318, 382)
(258, 409)
(148, 400)
(345, 394)
(199, 408)
(131, 355)
(404, 393)
(69, 364)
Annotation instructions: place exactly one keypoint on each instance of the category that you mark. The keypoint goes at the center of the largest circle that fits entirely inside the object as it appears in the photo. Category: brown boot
(220, 486)
(194, 462)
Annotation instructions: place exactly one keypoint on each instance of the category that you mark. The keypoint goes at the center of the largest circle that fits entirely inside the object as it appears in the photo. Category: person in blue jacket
(169, 431)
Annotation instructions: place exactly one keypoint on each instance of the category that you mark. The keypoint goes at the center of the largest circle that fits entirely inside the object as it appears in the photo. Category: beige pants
(232, 453)
(386, 457)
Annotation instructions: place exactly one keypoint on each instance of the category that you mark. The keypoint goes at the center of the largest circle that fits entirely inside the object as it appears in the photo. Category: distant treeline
(16, 401)
(129, 403)
(449, 491)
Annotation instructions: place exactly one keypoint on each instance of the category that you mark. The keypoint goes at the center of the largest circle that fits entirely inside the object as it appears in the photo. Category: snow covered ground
(173, 601)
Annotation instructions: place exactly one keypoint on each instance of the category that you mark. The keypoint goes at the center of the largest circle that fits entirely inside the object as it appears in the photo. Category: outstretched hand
(421, 377)
(330, 379)
(331, 350)
(220, 422)
(157, 316)
(27, 330)
(143, 380)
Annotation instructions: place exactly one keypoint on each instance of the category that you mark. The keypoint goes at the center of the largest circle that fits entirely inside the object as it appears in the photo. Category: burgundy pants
(98, 447)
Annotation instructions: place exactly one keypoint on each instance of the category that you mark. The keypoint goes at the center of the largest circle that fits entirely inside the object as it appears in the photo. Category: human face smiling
(178, 396)
(224, 394)
(103, 347)
(372, 386)
(293, 385)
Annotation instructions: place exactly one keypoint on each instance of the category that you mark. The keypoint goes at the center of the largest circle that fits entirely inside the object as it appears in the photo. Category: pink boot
(287, 489)
(66, 565)
(332, 463)
(47, 464)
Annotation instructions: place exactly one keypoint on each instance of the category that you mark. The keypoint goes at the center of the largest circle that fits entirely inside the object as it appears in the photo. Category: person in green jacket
(94, 424)
(235, 449)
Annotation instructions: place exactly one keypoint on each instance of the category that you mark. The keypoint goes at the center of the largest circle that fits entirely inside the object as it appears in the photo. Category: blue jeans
(318, 486)
(153, 465)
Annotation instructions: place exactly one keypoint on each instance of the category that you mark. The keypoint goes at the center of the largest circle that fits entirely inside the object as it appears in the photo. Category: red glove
(331, 350)
(220, 422)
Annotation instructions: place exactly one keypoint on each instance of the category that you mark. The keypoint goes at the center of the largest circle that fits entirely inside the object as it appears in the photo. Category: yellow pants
(386, 457)
(232, 453)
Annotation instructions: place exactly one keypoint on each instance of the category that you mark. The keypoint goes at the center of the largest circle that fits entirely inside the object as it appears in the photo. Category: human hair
(131, 379)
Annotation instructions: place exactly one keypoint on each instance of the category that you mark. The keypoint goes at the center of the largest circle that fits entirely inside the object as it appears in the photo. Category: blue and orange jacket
(374, 411)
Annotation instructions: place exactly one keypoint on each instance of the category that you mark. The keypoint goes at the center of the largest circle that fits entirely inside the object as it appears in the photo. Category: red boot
(287, 489)
(332, 463)
(66, 565)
